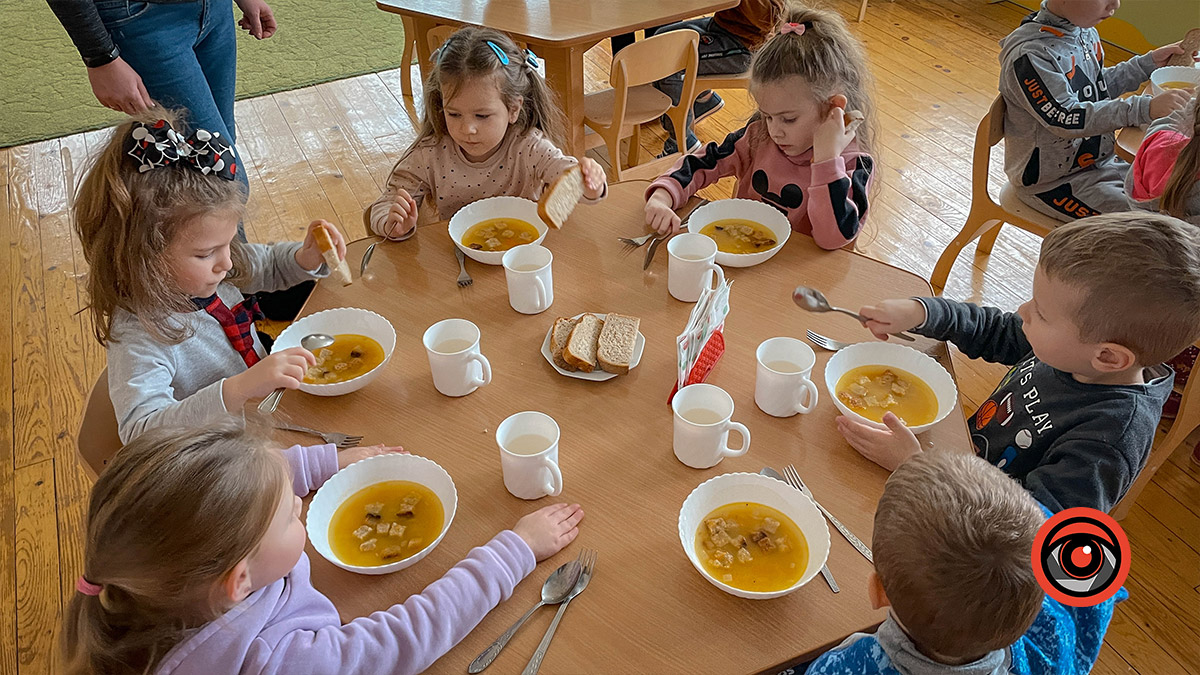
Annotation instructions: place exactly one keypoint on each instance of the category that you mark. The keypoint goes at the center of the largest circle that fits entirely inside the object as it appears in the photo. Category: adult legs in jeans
(186, 55)
(720, 54)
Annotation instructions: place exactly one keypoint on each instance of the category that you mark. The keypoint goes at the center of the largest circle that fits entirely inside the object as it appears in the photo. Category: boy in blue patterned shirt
(953, 543)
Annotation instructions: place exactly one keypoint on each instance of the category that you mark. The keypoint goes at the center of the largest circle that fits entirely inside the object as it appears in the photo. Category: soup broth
(752, 547)
(385, 523)
(872, 391)
(348, 357)
(734, 235)
(499, 234)
(1178, 84)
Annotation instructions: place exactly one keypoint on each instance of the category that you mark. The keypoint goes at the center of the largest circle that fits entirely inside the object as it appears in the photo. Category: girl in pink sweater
(194, 564)
(798, 153)
(489, 128)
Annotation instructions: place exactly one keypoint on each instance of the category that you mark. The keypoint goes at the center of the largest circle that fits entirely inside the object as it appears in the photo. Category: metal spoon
(812, 300)
(310, 342)
(362, 267)
(555, 590)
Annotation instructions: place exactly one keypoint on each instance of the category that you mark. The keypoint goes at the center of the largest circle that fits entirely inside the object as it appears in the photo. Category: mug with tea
(454, 359)
(783, 385)
(702, 426)
(691, 266)
(529, 455)
(527, 269)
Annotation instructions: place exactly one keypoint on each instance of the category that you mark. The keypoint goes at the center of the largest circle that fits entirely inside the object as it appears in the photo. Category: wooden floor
(325, 152)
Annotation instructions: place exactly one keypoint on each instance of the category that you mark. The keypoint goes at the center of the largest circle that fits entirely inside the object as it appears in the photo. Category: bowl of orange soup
(1174, 77)
(382, 514)
(485, 229)
(363, 342)
(869, 379)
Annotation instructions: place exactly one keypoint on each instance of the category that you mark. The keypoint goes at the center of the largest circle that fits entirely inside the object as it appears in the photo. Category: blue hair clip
(531, 59)
(499, 52)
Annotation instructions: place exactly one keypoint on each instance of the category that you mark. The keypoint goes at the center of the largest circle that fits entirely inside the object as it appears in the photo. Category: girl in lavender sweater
(194, 564)
(798, 153)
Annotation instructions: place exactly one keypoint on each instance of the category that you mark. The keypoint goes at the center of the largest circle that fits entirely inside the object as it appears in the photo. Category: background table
(558, 31)
(647, 610)
(1129, 139)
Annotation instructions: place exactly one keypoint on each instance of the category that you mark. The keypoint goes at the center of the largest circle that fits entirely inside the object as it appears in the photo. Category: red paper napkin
(713, 349)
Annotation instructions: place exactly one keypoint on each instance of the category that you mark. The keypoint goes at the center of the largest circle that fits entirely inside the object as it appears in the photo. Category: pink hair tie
(797, 28)
(87, 588)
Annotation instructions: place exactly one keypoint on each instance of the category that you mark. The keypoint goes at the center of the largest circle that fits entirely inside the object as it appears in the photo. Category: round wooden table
(1129, 139)
(647, 610)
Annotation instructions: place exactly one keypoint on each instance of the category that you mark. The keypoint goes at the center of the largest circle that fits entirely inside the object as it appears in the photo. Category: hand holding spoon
(812, 300)
(310, 342)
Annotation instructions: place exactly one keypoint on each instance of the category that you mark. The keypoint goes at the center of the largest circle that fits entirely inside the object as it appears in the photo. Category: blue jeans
(186, 55)
(720, 54)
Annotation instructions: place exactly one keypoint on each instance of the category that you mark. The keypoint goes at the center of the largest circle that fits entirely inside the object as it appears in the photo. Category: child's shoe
(705, 107)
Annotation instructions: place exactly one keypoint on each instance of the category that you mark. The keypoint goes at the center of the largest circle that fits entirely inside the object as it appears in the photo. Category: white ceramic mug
(783, 385)
(529, 455)
(454, 359)
(691, 267)
(530, 281)
(702, 426)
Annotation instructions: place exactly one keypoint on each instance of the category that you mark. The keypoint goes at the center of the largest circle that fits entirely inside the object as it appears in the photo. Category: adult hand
(257, 18)
(118, 86)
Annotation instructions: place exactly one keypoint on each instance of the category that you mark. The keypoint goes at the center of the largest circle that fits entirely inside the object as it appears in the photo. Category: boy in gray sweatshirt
(1063, 110)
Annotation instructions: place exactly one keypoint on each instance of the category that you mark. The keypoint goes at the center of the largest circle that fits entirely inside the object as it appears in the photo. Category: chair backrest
(97, 440)
(995, 118)
(439, 34)
(656, 57)
(989, 132)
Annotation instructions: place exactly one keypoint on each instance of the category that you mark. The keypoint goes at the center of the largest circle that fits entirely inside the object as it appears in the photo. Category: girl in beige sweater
(489, 129)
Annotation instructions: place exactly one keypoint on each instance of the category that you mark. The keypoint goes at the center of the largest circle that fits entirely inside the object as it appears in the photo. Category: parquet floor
(325, 151)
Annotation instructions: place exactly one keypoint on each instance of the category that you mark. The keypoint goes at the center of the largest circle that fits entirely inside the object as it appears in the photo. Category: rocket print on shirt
(1011, 420)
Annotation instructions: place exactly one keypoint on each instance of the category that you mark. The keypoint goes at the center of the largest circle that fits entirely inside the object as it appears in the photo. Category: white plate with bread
(589, 346)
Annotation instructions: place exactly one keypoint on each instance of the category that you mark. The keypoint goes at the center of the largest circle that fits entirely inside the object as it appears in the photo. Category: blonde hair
(126, 219)
(466, 55)
(953, 544)
(168, 519)
(828, 57)
(1183, 176)
(1139, 274)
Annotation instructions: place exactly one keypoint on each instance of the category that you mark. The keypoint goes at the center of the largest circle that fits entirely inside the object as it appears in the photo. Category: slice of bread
(615, 345)
(581, 346)
(558, 340)
(1189, 44)
(852, 119)
(560, 198)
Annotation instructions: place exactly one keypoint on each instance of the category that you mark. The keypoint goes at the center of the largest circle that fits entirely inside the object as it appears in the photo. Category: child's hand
(548, 530)
(594, 178)
(281, 370)
(309, 256)
(1169, 101)
(1163, 53)
(351, 455)
(893, 316)
(888, 449)
(659, 213)
(831, 137)
(401, 216)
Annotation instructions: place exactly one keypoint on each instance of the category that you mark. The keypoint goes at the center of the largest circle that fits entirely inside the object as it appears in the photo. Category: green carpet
(44, 89)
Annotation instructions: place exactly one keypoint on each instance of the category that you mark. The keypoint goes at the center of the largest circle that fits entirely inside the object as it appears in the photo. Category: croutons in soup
(385, 523)
(752, 547)
(499, 234)
(872, 391)
(348, 357)
(740, 236)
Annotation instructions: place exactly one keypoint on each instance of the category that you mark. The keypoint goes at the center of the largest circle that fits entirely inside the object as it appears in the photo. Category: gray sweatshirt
(1069, 443)
(154, 384)
(1062, 108)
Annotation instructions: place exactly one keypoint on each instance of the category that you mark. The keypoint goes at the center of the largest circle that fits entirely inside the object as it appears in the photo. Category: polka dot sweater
(437, 174)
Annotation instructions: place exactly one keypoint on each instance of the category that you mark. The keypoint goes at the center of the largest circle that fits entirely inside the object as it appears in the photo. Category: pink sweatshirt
(290, 628)
(827, 201)
(1155, 162)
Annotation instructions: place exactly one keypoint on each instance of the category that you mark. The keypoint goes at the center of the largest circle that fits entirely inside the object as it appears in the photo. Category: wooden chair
(97, 440)
(618, 112)
(986, 216)
(732, 81)
(1186, 421)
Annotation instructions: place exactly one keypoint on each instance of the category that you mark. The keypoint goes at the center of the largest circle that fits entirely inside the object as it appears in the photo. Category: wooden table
(558, 31)
(648, 610)
(1129, 139)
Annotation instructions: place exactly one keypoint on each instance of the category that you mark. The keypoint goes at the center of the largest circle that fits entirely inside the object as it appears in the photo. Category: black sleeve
(980, 332)
(82, 22)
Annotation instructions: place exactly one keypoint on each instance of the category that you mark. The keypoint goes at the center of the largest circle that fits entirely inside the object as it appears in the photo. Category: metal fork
(464, 279)
(635, 243)
(340, 440)
(826, 342)
(793, 478)
(588, 558)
